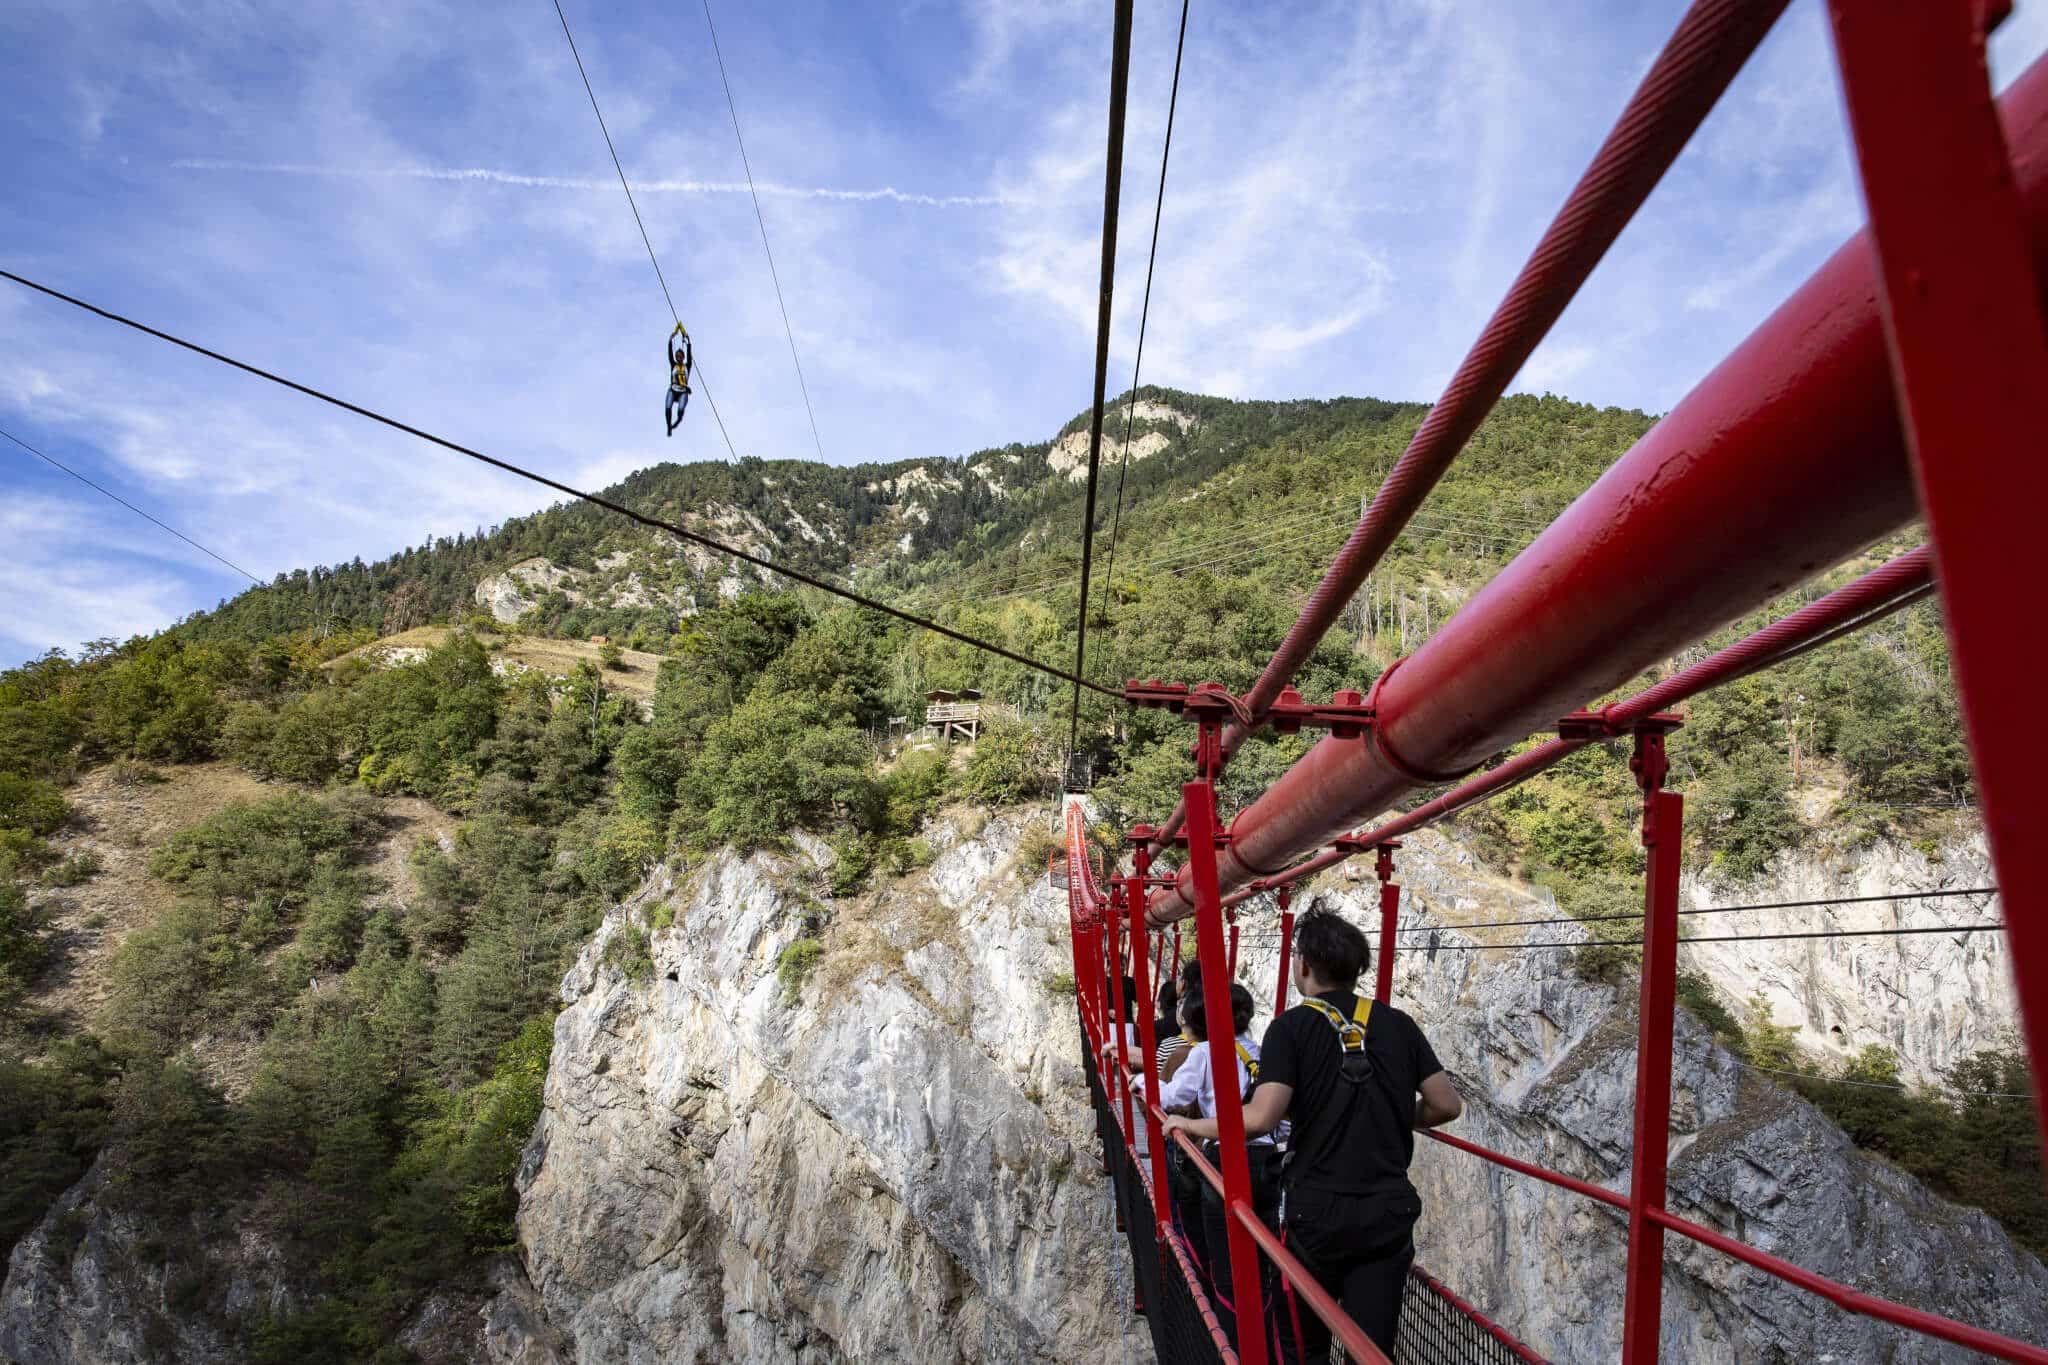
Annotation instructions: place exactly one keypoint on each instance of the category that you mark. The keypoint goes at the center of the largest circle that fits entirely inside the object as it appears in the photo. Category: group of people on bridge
(1333, 1095)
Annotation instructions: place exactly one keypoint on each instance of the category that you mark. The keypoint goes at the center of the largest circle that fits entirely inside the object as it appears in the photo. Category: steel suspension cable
(1112, 192)
(762, 223)
(1712, 42)
(1123, 463)
(654, 523)
(108, 493)
(639, 222)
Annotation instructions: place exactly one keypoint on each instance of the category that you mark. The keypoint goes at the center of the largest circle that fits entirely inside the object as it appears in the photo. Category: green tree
(777, 763)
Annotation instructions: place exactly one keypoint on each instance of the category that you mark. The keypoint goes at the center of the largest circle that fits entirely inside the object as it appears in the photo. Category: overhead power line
(641, 223)
(766, 250)
(1123, 463)
(1112, 192)
(733, 551)
(105, 492)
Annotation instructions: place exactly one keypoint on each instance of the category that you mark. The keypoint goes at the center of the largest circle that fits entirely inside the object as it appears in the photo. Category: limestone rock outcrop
(896, 1165)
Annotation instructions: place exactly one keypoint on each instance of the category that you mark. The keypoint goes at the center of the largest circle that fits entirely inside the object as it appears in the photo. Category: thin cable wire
(766, 250)
(641, 223)
(1708, 910)
(1879, 1085)
(1123, 463)
(1715, 938)
(162, 526)
(796, 575)
(1112, 192)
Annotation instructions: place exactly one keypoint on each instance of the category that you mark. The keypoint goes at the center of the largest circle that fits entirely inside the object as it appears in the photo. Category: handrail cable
(163, 526)
(762, 223)
(758, 561)
(1123, 463)
(1710, 910)
(1112, 192)
(697, 368)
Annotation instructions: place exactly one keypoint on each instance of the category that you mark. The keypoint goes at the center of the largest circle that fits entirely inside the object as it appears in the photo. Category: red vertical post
(1232, 914)
(1663, 829)
(1390, 915)
(1237, 1176)
(1962, 309)
(1176, 951)
(1286, 950)
(1148, 1043)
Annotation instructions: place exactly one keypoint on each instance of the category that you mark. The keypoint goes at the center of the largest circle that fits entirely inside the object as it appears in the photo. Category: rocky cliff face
(897, 1166)
(1932, 998)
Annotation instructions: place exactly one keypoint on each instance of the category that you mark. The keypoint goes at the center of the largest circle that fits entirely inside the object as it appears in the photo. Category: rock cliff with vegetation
(290, 1071)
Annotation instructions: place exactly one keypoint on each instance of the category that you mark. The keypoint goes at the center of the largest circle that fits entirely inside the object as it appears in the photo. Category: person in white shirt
(1193, 1086)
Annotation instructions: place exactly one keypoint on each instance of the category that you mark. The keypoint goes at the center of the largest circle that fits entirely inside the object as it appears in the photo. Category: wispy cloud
(487, 176)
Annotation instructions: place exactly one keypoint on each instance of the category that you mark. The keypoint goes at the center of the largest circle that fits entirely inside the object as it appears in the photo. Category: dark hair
(1169, 998)
(1130, 999)
(1331, 947)
(1197, 1011)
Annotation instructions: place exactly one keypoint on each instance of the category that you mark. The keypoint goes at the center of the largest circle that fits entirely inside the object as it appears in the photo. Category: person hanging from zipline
(678, 377)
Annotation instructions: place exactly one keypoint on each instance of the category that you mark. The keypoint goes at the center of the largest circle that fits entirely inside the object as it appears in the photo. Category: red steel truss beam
(1962, 307)
(1710, 45)
(1784, 460)
(1875, 595)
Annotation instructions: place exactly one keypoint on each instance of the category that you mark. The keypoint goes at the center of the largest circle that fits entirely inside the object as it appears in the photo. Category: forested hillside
(354, 1063)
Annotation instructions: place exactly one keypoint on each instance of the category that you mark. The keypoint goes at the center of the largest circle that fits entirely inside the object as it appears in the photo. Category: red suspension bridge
(1904, 380)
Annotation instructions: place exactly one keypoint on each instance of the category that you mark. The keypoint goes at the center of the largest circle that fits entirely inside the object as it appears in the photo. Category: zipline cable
(796, 575)
(766, 250)
(1112, 191)
(1123, 463)
(631, 203)
(130, 506)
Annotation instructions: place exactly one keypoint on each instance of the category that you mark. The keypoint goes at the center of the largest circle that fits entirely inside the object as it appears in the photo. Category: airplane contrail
(485, 175)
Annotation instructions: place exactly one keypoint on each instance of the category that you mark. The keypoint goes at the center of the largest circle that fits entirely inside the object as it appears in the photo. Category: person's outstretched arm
(1439, 1103)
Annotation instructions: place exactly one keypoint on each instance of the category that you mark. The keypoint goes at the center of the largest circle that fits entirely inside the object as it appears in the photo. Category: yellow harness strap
(1251, 1064)
(1350, 1032)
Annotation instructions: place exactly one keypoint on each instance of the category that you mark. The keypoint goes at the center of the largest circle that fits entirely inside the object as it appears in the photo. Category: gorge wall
(894, 1162)
(898, 1165)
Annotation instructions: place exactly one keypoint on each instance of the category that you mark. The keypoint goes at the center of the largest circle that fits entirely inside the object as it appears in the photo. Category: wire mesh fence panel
(1167, 1287)
(1438, 1328)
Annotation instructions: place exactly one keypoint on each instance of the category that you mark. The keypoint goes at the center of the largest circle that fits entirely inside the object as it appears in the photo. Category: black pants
(1359, 1248)
(1264, 1161)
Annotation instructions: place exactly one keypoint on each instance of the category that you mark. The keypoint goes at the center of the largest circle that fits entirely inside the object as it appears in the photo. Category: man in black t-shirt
(1347, 1072)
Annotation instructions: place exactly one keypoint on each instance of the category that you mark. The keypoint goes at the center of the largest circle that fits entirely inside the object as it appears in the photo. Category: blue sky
(1353, 186)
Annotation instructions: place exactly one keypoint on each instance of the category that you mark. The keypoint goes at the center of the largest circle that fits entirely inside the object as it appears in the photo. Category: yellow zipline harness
(1356, 1065)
